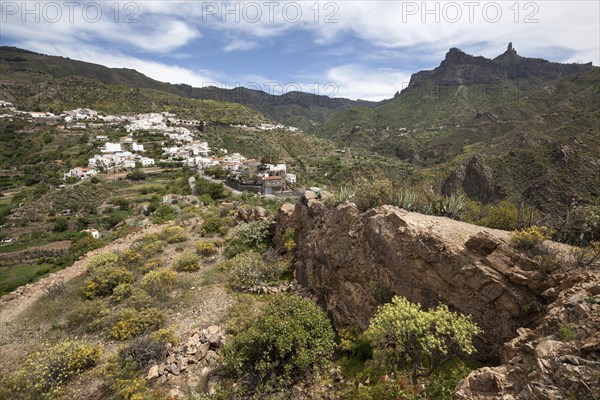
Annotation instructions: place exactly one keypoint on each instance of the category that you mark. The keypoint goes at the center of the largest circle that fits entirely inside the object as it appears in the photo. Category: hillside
(292, 108)
(519, 114)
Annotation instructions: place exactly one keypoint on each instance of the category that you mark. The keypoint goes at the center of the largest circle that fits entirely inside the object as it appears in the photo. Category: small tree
(425, 339)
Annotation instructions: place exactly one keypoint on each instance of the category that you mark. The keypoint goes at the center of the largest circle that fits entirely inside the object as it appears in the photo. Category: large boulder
(354, 261)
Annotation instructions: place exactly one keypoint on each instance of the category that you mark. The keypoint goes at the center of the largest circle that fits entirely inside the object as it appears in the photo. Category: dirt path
(15, 303)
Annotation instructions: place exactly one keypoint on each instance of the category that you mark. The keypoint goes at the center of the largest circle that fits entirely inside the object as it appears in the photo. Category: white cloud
(359, 82)
(240, 45)
(77, 24)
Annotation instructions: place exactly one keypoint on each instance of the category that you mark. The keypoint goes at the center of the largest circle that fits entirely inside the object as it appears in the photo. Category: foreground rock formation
(355, 261)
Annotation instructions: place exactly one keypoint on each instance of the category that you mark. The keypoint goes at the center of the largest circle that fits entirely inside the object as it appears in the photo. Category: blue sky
(354, 49)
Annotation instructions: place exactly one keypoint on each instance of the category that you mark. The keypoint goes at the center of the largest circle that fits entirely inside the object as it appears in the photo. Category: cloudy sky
(354, 49)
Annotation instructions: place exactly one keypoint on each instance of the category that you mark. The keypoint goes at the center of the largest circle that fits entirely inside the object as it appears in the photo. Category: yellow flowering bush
(122, 291)
(173, 234)
(151, 265)
(41, 376)
(159, 283)
(104, 280)
(426, 339)
(133, 323)
(206, 249)
(165, 336)
(187, 262)
(152, 249)
(528, 239)
(132, 258)
(289, 239)
(102, 260)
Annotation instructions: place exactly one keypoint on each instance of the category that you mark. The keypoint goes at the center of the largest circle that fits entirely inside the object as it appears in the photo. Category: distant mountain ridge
(293, 108)
(460, 68)
(490, 129)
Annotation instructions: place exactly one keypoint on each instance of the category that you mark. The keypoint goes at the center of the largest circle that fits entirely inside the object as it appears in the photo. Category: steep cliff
(353, 262)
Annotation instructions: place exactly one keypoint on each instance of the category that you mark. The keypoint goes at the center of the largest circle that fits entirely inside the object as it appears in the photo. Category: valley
(164, 241)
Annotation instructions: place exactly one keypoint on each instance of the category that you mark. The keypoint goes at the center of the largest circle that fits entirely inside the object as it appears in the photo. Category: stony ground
(198, 304)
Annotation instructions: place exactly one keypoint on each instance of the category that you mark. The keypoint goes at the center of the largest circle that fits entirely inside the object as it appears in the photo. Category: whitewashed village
(181, 147)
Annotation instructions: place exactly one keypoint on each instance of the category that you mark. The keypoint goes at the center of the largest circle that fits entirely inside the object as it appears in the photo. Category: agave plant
(452, 206)
(407, 199)
(345, 194)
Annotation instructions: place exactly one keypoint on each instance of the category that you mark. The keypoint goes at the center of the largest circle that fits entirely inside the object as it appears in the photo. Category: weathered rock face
(353, 262)
(459, 68)
(546, 362)
(474, 179)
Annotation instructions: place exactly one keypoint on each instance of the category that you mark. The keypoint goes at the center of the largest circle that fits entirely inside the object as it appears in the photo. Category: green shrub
(248, 269)
(151, 249)
(132, 322)
(583, 257)
(41, 376)
(566, 333)
(187, 262)
(124, 380)
(426, 340)
(140, 299)
(165, 336)
(581, 226)
(122, 291)
(89, 316)
(132, 258)
(173, 234)
(206, 249)
(136, 175)
(370, 193)
(214, 225)
(288, 337)
(503, 216)
(102, 260)
(159, 283)
(247, 237)
(148, 238)
(104, 280)
(215, 191)
(152, 265)
(530, 238)
(61, 224)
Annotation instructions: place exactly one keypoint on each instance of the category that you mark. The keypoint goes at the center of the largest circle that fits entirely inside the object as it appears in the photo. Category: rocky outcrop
(353, 262)
(460, 68)
(558, 359)
(475, 180)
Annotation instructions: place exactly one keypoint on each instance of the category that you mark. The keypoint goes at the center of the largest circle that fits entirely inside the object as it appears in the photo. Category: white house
(101, 138)
(112, 147)
(146, 161)
(94, 232)
(128, 164)
(137, 147)
(79, 173)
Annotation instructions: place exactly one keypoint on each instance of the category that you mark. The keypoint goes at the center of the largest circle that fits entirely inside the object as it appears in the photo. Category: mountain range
(512, 127)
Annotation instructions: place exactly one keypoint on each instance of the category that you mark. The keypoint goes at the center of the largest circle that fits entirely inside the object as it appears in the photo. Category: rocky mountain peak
(460, 68)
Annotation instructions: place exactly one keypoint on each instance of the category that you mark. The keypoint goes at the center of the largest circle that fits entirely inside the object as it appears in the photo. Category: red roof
(272, 178)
